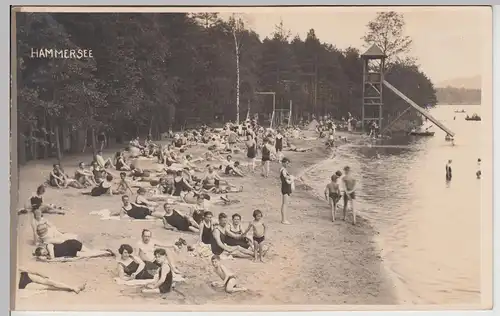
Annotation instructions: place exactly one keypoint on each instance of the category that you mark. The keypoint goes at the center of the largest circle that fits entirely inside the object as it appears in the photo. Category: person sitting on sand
(131, 267)
(332, 194)
(206, 227)
(232, 167)
(175, 220)
(142, 200)
(85, 176)
(104, 163)
(164, 277)
(218, 242)
(29, 278)
(180, 184)
(120, 163)
(59, 179)
(123, 186)
(103, 188)
(98, 172)
(51, 231)
(135, 211)
(211, 179)
(259, 232)
(36, 202)
(229, 282)
(350, 193)
(234, 233)
(146, 247)
(68, 250)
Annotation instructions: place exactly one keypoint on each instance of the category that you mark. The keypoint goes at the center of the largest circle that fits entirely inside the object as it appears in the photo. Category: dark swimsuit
(206, 235)
(216, 249)
(198, 215)
(251, 152)
(53, 180)
(119, 164)
(146, 274)
(178, 221)
(69, 248)
(24, 280)
(236, 242)
(448, 173)
(179, 186)
(99, 190)
(166, 286)
(266, 154)
(137, 212)
(286, 188)
(36, 202)
(259, 239)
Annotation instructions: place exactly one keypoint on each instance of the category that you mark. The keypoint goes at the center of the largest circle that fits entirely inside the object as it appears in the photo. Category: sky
(449, 42)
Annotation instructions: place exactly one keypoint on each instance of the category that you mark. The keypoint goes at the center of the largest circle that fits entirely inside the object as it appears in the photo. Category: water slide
(419, 109)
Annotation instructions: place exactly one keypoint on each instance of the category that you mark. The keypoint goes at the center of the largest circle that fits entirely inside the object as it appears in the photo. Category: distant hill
(465, 82)
(458, 96)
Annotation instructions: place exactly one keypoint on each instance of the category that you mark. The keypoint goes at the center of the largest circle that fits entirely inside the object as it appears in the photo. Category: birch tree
(237, 27)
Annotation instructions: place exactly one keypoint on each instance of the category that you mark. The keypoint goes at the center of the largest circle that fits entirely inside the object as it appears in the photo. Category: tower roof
(373, 52)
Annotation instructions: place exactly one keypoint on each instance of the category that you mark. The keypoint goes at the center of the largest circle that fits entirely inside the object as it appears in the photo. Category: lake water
(429, 230)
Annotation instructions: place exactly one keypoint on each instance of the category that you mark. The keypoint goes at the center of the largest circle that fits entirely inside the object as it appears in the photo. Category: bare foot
(79, 289)
(286, 223)
(262, 260)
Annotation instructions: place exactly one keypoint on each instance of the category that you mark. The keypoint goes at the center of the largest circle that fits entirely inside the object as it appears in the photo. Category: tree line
(459, 96)
(150, 72)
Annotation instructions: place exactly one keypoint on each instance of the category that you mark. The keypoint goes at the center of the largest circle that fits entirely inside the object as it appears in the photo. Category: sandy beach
(313, 261)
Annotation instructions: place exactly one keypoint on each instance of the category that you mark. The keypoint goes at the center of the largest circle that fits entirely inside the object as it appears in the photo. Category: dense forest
(151, 72)
(459, 96)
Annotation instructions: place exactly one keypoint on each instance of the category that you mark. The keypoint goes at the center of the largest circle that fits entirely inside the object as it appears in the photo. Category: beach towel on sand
(104, 214)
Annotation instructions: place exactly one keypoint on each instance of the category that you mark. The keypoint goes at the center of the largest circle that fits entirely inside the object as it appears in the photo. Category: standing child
(259, 233)
(332, 194)
(228, 278)
(349, 193)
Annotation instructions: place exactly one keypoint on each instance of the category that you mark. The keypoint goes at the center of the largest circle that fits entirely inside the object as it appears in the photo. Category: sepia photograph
(251, 158)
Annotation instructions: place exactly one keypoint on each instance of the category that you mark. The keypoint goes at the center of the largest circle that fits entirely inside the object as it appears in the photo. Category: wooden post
(58, 144)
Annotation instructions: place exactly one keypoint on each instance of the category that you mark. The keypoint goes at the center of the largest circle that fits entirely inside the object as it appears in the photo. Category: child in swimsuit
(123, 186)
(259, 232)
(229, 281)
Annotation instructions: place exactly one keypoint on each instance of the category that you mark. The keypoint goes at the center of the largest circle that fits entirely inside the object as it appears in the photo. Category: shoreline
(310, 263)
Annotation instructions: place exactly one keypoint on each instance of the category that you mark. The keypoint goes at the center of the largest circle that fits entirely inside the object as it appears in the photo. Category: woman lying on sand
(36, 203)
(218, 242)
(229, 282)
(84, 176)
(70, 250)
(103, 188)
(234, 233)
(29, 278)
(59, 179)
(175, 220)
(135, 211)
(131, 267)
(164, 278)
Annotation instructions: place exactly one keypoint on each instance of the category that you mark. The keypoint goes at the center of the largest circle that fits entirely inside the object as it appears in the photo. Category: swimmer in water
(332, 194)
(229, 281)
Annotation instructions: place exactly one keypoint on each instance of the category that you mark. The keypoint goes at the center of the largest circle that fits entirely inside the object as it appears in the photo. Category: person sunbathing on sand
(135, 211)
(146, 247)
(29, 278)
(59, 179)
(218, 242)
(46, 234)
(69, 250)
(175, 220)
(131, 267)
(36, 202)
(229, 282)
(163, 279)
(123, 185)
(85, 176)
(51, 232)
(142, 200)
(103, 188)
(104, 163)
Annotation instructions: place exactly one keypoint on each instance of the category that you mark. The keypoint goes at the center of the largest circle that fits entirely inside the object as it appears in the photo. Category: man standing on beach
(286, 189)
(448, 171)
(349, 193)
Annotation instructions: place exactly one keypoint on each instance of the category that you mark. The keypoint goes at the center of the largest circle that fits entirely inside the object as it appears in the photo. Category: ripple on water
(429, 231)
